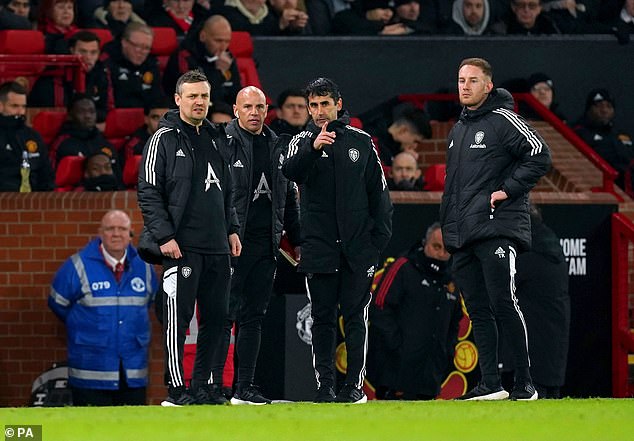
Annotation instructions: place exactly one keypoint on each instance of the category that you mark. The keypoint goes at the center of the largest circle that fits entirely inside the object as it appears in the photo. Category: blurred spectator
(368, 17)
(15, 14)
(153, 114)
(180, 15)
(596, 128)
(98, 174)
(320, 14)
(528, 19)
(409, 129)
(291, 19)
(622, 16)
(79, 136)
(115, 16)
(24, 162)
(103, 294)
(255, 17)
(405, 174)
(86, 10)
(408, 13)
(56, 91)
(542, 290)
(134, 72)
(207, 49)
(575, 16)
(57, 22)
(541, 87)
(414, 320)
(220, 113)
(470, 17)
(292, 113)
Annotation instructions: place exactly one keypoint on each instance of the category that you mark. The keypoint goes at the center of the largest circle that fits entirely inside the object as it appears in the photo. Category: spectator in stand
(320, 14)
(620, 16)
(86, 10)
(134, 72)
(409, 129)
(291, 18)
(576, 16)
(79, 136)
(103, 294)
(115, 16)
(414, 322)
(292, 113)
(368, 17)
(208, 50)
(256, 18)
(541, 87)
(408, 12)
(56, 91)
(528, 19)
(221, 113)
(98, 174)
(181, 15)
(57, 22)
(405, 174)
(596, 128)
(15, 14)
(24, 162)
(470, 17)
(153, 114)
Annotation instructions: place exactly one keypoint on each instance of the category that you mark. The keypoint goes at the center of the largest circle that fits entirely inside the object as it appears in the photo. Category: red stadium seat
(164, 43)
(47, 123)
(241, 44)
(69, 173)
(131, 171)
(21, 42)
(248, 72)
(121, 123)
(435, 177)
(356, 122)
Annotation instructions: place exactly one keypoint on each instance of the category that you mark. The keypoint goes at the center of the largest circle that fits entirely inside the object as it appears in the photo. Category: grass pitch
(557, 420)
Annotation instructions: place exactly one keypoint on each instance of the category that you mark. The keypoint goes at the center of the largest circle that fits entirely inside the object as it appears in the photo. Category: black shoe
(325, 394)
(484, 393)
(350, 393)
(177, 397)
(249, 395)
(208, 394)
(523, 391)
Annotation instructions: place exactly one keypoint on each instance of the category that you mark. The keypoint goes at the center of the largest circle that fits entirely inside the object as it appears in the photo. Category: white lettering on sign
(575, 252)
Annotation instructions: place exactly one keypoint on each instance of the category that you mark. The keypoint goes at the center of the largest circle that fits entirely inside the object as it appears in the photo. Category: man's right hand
(324, 137)
(171, 250)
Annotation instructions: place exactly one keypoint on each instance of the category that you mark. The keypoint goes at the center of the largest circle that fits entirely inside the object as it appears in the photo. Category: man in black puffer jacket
(185, 196)
(494, 158)
(346, 223)
(266, 203)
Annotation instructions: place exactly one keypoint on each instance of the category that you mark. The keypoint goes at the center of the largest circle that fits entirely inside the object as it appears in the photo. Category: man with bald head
(266, 203)
(206, 49)
(102, 294)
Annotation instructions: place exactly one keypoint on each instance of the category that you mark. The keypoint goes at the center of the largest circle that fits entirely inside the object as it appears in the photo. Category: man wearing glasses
(528, 19)
(134, 72)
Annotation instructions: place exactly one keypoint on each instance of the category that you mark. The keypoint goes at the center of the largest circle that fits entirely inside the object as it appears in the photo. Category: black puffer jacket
(285, 200)
(164, 184)
(489, 149)
(345, 202)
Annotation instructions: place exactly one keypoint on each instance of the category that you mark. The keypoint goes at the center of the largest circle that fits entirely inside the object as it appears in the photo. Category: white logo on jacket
(500, 253)
(186, 271)
(180, 153)
(137, 284)
(211, 178)
(238, 164)
(353, 154)
(479, 137)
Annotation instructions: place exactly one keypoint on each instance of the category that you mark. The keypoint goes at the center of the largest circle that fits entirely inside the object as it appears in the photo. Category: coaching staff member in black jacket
(494, 158)
(346, 221)
(184, 193)
(266, 203)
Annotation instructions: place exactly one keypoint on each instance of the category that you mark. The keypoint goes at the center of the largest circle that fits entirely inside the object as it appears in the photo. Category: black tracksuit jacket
(489, 149)
(358, 222)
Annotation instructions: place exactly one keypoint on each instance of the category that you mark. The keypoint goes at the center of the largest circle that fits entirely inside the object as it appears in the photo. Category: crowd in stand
(124, 73)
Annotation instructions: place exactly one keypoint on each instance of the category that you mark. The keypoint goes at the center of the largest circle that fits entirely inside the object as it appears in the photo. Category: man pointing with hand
(346, 222)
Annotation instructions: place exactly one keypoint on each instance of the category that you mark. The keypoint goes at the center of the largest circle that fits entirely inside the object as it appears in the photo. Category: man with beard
(24, 162)
(405, 174)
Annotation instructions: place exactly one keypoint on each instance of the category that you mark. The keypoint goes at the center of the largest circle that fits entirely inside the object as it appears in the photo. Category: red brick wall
(38, 232)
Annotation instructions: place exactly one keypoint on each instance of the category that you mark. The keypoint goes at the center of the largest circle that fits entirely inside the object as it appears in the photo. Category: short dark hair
(478, 62)
(158, 102)
(84, 36)
(10, 87)
(192, 76)
(76, 98)
(416, 119)
(281, 99)
(430, 230)
(322, 87)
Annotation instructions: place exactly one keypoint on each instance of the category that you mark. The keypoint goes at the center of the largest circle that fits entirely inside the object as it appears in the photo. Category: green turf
(557, 420)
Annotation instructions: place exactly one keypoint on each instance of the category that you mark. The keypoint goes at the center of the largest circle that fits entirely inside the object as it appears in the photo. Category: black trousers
(351, 291)
(251, 287)
(485, 273)
(202, 278)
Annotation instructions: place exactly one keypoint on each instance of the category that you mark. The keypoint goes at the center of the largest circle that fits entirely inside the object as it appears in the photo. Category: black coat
(489, 149)
(284, 192)
(353, 217)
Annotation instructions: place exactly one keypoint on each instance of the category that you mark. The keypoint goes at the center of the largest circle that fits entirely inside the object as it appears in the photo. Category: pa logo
(353, 154)
(186, 271)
